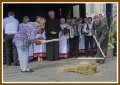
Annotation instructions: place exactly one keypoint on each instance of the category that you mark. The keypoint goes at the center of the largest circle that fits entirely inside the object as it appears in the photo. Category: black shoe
(97, 61)
(76, 56)
(4, 62)
(16, 64)
(70, 56)
(58, 60)
(92, 56)
(86, 56)
(30, 70)
(49, 60)
(102, 61)
(8, 64)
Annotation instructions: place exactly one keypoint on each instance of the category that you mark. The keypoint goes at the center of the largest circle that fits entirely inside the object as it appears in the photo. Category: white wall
(115, 11)
(93, 8)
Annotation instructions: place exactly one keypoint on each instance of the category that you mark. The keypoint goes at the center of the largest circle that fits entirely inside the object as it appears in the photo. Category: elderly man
(52, 28)
(25, 21)
(102, 37)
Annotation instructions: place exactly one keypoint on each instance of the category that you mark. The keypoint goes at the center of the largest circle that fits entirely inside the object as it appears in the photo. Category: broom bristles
(84, 68)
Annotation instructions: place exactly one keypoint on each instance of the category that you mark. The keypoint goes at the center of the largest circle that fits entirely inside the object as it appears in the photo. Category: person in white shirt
(68, 21)
(88, 37)
(10, 27)
(40, 49)
(25, 21)
(85, 20)
(63, 50)
(81, 39)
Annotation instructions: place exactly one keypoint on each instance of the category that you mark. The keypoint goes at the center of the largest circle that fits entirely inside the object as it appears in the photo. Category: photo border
(28, 1)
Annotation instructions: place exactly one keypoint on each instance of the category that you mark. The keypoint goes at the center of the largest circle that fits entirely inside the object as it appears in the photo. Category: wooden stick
(52, 40)
(95, 57)
(99, 47)
(90, 58)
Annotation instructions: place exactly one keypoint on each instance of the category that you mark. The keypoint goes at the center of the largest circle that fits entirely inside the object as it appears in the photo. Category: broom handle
(99, 47)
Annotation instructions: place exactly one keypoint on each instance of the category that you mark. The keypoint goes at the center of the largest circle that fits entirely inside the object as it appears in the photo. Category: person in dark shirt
(52, 28)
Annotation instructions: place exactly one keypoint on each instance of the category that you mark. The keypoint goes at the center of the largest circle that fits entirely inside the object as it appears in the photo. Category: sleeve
(60, 33)
(38, 35)
(104, 33)
(67, 36)
(46, 28)
(4, 23)
(3, 28)
(84, 28)
(80, 32)
(58, 27)
(43, 35)
(31, 34)
(68, 26)
(19, 27)
(80, 36)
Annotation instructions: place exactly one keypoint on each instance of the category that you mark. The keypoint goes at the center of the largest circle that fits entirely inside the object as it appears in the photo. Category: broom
(100, 50)
(52, 40)
(47, 41)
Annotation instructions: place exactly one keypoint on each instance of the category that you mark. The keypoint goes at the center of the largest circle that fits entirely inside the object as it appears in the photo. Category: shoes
(97, 61)
(8, 64)
(86, 56)
(92, 56)
(4, 62)
(30, 70)
(77, 55)
(48, 60)
(58, 59)
(16, 64)
(100, 62)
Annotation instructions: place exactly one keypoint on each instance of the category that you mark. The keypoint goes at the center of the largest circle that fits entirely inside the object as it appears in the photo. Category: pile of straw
(84, 68)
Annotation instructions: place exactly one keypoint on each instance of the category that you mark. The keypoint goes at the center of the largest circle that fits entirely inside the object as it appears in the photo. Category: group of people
(76, 36)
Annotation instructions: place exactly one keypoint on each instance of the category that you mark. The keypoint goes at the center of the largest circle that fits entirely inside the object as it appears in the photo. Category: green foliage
(111, 33)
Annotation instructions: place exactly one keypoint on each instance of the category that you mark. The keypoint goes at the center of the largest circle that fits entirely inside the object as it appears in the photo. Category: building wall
(93, 9)
(114, 11)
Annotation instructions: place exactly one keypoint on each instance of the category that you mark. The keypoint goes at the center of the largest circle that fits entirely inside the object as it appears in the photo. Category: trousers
(23, 57)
